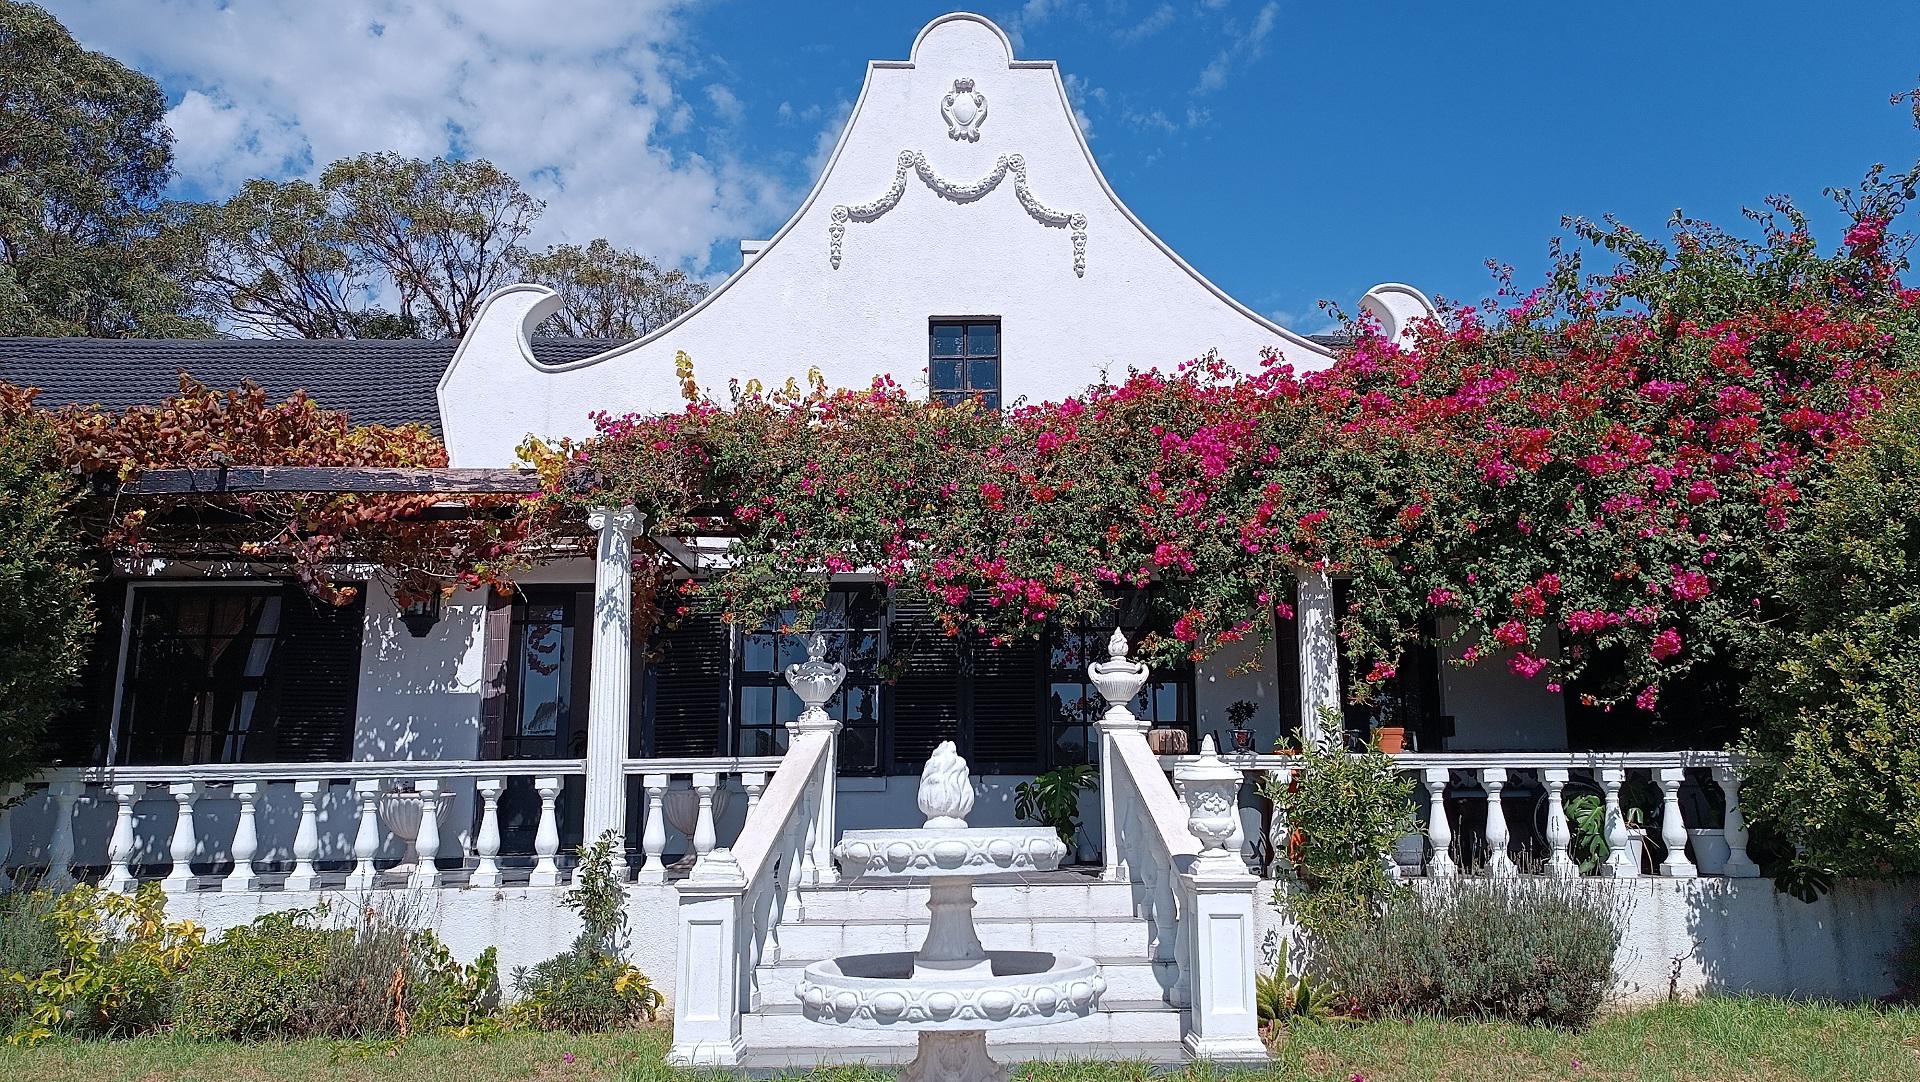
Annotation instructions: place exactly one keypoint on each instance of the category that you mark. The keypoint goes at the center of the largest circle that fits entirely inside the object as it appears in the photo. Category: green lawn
(1715, 1040)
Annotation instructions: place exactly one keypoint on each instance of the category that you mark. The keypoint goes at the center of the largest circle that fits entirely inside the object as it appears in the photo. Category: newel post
(707, 989)
(816, 681)
(611, 688)
(1119, 680)
(1216, 919)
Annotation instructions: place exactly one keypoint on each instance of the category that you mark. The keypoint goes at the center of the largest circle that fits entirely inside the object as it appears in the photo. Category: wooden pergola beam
(228, 480)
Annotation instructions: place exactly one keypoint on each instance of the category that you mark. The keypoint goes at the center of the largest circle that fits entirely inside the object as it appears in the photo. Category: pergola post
(1319, 629)
(611, 688)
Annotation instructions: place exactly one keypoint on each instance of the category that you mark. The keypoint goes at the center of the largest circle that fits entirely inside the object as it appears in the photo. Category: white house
(259, 753)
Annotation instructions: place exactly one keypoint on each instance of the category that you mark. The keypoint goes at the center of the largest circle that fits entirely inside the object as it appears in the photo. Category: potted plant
(1053, 799)
(1587, 816)
(1391, 739)
(1239, 732)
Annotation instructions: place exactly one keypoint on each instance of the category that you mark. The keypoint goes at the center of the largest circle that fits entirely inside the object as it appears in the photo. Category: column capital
(626, 520)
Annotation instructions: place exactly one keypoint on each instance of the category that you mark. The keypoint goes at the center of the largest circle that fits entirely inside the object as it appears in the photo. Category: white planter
(1710, 851)
(1410, 853)
(400, 811)
(682, 807)
(1637, 848)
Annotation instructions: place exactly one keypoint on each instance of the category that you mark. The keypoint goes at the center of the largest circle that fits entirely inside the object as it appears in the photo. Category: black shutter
(78, 735)
(1006, 686)
(925, 698)
(316, 668)
(687, 688)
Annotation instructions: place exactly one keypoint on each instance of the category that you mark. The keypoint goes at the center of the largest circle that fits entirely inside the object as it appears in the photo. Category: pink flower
(1525, 664)
(566, 1057)
(1511, 633)
(1647, 698)
(1665, 645)
(1439, 596)
(1690, 585)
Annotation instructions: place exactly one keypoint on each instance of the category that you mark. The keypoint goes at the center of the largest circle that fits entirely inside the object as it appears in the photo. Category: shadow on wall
(1741, 935)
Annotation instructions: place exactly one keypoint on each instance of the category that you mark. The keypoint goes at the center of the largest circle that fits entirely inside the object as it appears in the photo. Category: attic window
(964, 361)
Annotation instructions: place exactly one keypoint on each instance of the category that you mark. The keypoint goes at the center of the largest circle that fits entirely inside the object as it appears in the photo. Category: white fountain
(952, 991)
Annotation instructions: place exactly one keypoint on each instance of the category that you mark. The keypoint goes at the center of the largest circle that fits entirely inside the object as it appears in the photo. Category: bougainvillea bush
(1596, 470)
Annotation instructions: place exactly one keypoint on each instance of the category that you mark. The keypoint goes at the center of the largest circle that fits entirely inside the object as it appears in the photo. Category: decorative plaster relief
(916, 162)
(965, 110)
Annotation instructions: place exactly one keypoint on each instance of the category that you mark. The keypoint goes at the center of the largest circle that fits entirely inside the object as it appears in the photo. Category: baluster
(62, 794)
(1182, 935)
(1739, 864)
(246, 839)
(703, 832)
(426, 870)
(366, 838)
(306, 837)
(120, 844)
(486, 845)
(755, 783)
(1440, 863)
(546, 840)
(7, 793)
(653, 838)
(809, 873)
(1673, 827)
(1280, 832)
(1560, 861)
(1620, 863)
(1499, 863)
(180, 877)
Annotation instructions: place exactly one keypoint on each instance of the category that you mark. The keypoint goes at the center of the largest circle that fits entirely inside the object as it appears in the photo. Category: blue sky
(1291, 151)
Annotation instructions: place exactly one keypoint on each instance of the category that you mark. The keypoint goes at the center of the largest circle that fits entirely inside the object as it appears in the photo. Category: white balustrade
(1560, 861)
(185, 839)
(246, 838)
(306, 837)
(546, 838)
(64, 794)
(1499, 862)
(1673, 829)
(653, 868)
(486, 844)
(366, 838)
(1439, 832)
(120, 844)
(426, 869)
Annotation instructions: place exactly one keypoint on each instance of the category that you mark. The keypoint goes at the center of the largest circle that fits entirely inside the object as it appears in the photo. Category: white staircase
(1066, 912)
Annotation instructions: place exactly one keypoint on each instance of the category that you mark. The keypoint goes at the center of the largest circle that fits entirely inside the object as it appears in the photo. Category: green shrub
(119, 967)
(588, 986)
(28, 948)
(1053, 799)
(256, 981)
(1535, 951)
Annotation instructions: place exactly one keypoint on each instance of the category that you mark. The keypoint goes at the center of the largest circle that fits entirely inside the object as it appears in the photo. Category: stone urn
(682, 808)
(400, 811)
(1211, 789)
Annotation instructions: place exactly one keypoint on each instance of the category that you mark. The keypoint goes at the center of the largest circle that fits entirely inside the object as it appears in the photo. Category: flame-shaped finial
(1117, 645)
(946, 788)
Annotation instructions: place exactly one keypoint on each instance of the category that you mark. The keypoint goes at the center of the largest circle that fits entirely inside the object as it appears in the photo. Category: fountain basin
(883, 991)
(937, 851)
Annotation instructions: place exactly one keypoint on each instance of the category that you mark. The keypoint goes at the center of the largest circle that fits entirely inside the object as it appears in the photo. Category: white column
(246, 839)
(7, 793)
(306, 837)
(62, 795)
(1499, 863)
(486, 845)
(1560, 860)
(120, 845)
(426, 872)
(653, 833)
(180, 876)
(1119, 680)
(1318, 626)
(1673, 828)
(610, 696)
(546, 839)
(366, 838)
(1439, 832)
(1217, 932)
(707, 991)
(1739, 864)
(1619, 863)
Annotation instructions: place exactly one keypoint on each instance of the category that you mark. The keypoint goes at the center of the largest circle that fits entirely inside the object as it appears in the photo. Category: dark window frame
(760, 658)
(973, 367)
(1166, 701)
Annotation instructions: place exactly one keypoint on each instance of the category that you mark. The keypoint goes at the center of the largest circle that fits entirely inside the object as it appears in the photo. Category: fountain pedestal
(952, 990)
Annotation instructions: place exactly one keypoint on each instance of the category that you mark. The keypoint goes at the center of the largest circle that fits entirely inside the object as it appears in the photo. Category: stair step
(1154, 1036)
(1075, 896)
(1130, 982)
(1105, 937)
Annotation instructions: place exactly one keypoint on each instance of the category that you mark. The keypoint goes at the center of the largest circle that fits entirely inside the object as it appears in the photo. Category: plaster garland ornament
(913, 161)
(965, 110)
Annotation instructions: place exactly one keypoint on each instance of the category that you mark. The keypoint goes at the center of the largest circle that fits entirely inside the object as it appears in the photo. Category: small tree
(1834, 752)
(46, 607)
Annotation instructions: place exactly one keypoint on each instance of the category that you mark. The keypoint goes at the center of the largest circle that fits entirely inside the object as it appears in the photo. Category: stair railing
(732, 904)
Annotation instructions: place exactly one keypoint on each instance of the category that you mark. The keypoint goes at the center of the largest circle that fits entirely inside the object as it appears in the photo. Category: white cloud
(828, 137)
(1246, 46)
(1157, 20)
(579, 104)
(1079, 93)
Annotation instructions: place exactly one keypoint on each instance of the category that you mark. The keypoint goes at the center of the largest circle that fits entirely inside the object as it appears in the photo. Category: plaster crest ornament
(946, 788)
(965, 109)
(915, 162)
(1119, 680)
(815, 681)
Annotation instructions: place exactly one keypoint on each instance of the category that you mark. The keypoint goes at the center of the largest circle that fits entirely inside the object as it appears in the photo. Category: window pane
(983, 375)
(756, 706)
(756, 653)
(859, 703)
(983, 339)
(1071, 703)
(1070, 746)
(771, 741)
(946, 339)
(860, 749)
(944, 375)
(787, 705)
(950, 398)
(991, 401)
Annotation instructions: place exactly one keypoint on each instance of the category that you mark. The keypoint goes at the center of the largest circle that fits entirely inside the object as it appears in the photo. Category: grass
(1755, 1040)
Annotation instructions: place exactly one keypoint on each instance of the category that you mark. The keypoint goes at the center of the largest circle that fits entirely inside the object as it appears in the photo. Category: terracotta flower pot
(1167, 741)
(1393, 739)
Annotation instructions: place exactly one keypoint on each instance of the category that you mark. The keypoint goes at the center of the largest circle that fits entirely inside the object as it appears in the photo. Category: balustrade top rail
(734, 764)
(398, 768)
(1517, 760)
